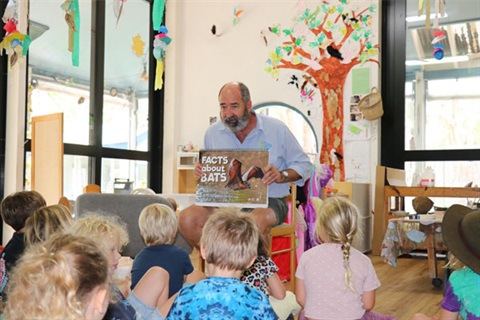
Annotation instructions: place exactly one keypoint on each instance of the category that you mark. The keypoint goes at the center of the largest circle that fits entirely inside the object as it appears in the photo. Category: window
(106, 99)
(432, 107)
(296, 122)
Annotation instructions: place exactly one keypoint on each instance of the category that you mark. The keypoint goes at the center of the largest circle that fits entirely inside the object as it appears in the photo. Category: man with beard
(242, 128)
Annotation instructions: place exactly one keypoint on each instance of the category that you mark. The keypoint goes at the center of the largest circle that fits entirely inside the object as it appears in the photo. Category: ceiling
(463, 15)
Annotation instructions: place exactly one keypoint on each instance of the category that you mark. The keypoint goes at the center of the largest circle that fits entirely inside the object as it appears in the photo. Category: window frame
(392, 150)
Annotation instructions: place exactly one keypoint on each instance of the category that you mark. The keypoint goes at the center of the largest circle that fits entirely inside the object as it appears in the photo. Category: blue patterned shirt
(223, 299)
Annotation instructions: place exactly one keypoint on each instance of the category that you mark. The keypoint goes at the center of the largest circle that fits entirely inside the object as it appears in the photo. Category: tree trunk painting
(324, 45)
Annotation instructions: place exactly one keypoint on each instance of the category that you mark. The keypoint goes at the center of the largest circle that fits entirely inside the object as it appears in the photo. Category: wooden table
(400, 239)
(382, 217)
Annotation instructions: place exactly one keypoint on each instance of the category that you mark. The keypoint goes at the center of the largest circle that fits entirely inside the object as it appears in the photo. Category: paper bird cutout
(137, 45)
(236, 15)
(14, 43)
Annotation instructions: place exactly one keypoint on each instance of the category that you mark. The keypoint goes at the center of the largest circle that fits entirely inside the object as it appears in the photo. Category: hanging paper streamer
(72, 18)
(160, 45)
(236, 15)
(157, 13)
(14, 43)
(10, 11)
(118, 8)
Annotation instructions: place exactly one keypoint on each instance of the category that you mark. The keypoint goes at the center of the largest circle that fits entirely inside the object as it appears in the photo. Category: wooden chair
(91, 188)
(288, 230)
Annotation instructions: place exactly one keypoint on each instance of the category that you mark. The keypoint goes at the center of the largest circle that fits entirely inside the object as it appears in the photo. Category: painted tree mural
(324, 44)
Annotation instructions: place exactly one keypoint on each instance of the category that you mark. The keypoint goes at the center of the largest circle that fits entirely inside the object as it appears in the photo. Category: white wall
(199, 63)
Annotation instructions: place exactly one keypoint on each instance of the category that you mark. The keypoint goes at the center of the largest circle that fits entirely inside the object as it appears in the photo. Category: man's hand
(272, 174)
(198, 173)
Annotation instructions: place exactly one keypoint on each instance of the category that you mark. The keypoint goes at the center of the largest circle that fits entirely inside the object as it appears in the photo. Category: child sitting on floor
(262, 275)
(15, 210)
(148, 300)
(65, 277)
(158, 225)
(460, 231)
(229, 245)
(334, 280)
(46, 221)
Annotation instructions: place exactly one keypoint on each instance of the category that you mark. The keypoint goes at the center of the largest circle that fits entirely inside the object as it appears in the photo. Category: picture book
(232, 178)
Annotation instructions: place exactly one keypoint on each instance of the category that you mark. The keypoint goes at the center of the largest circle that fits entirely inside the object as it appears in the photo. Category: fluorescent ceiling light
(424, 17)
(435, 61)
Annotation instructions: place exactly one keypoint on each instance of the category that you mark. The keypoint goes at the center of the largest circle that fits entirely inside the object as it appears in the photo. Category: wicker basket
(371, 105)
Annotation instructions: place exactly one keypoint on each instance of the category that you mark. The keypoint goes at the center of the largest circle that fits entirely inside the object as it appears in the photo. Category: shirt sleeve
(371, 282)
(450, 300)
(296, 158)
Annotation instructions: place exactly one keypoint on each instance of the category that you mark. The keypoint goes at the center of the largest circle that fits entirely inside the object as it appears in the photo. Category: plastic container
(428, 178)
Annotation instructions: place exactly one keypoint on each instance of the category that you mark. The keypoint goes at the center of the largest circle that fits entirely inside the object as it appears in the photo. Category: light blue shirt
(270, 134)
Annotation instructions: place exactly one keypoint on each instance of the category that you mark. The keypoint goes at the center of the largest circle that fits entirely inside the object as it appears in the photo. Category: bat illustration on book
(238, 180)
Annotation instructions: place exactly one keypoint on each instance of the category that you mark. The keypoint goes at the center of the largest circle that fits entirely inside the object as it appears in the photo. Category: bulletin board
(47, 156)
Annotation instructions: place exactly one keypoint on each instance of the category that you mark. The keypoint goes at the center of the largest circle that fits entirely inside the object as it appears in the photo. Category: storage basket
(371, 105)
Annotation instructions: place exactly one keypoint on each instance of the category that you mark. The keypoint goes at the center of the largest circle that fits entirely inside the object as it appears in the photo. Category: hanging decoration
(236, 15)
(137, 45)
(72, 18)
(438, 34)
(118, 8)
(157, 14)
(160, 45)
(14, 42)
(161, 41)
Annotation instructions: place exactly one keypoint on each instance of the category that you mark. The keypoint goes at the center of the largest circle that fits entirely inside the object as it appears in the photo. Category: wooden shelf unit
(399, 193)
(185, 169)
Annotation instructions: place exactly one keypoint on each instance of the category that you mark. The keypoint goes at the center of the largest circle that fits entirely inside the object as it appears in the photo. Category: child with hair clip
(334, 280)
(460, 231)
(46, 221)
(262, 275)
(158, 225)
(65, 277)
(148, 300)
(229, 245)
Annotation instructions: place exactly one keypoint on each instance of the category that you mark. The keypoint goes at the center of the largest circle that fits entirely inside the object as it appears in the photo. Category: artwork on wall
(323, 44)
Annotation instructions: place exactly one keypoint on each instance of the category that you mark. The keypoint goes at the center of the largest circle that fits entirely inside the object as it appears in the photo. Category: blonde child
(460, 231)
(148, 300)
(334, 280)
(46, 221)
(158, 225)
(65, 277)
(229, 245)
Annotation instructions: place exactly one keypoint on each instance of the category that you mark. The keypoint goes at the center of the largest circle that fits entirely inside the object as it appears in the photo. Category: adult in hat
(461, 234)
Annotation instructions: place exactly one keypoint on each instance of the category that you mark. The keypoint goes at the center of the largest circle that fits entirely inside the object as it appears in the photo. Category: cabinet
(359, 194)
(186, 182)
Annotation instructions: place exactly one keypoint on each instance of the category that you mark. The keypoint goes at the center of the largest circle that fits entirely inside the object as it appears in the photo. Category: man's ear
(249, 106)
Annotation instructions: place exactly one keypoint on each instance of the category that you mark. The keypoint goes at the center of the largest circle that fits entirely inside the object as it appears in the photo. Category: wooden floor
(406, 289)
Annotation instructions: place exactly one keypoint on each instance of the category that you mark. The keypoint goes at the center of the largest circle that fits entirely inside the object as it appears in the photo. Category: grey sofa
(128, 208)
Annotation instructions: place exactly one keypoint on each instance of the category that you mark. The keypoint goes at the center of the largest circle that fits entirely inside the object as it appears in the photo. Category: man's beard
(236, 124)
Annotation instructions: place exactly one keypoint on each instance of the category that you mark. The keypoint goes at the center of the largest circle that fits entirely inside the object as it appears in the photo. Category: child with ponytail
(333, 279)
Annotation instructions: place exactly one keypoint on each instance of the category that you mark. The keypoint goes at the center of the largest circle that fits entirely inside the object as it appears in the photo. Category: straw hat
(461, 233)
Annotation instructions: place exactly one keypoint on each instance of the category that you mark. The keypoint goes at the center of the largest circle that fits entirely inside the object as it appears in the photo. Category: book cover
(232, 178)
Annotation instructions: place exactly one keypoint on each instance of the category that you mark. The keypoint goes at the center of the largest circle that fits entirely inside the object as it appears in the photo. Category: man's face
(233, 112)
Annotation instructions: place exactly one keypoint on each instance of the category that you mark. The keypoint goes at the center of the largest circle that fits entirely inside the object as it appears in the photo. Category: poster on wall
(232, 178)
